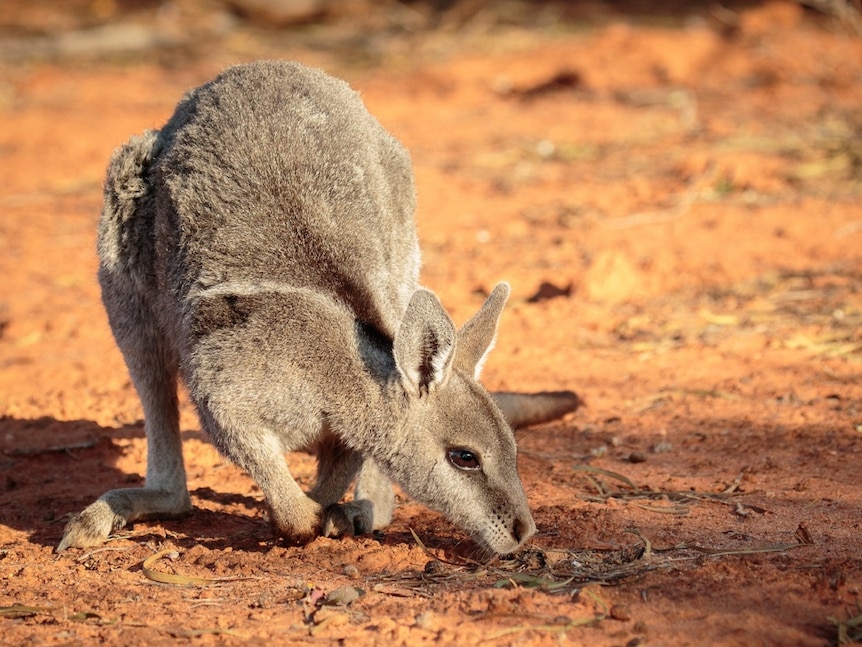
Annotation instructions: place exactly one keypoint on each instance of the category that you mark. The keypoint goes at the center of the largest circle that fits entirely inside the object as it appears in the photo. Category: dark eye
(464, 459)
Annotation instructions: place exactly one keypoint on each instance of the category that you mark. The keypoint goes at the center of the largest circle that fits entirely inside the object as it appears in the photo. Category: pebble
(351, 571)
(620, 612)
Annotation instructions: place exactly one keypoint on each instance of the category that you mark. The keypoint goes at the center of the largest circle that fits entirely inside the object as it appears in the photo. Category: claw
(90, 527)
(348, 519)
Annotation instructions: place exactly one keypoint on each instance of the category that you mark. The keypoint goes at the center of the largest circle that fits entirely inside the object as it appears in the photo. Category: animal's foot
(351, 518)
(115, 508)
(296, 523)
(91, 527)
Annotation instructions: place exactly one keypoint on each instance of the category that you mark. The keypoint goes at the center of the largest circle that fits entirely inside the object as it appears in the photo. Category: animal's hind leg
(373, 502)
(154, 372)
(375, 488)
(337, 466)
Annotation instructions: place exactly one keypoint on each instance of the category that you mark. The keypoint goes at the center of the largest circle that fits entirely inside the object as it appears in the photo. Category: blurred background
(674, 191)
(361, 32)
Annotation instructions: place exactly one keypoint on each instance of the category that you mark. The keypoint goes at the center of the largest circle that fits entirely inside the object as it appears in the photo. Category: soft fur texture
(262, 247)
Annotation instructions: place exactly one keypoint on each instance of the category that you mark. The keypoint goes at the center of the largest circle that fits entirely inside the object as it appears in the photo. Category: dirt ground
(675, 199)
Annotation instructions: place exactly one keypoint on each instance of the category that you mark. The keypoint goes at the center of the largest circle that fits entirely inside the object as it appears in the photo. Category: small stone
(343, 596)
(351, 571)
(265, 600)
(433, 567)
(637, 457)
(662, 447)
(620, 612)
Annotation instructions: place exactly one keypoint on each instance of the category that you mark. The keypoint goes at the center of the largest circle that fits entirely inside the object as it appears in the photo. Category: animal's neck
(373, 416)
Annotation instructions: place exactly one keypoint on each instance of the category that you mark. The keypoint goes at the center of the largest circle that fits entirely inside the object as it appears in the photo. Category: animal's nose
(523, 529)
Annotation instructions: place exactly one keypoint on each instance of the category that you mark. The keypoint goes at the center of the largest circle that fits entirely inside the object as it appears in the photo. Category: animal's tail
(523, 409)
(126, 187)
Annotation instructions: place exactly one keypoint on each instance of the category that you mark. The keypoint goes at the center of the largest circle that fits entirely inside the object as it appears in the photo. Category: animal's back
(276, 174)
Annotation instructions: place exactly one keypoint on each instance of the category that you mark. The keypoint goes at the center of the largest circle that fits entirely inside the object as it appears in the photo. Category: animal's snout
(523, 529)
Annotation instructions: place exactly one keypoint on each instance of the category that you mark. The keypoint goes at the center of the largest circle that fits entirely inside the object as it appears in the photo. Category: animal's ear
(424, 344)
(476, 338)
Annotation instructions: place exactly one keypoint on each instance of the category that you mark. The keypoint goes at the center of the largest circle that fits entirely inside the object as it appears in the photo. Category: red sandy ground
(696, 183)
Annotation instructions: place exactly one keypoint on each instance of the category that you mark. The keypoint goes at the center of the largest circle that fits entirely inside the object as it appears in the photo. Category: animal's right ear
(477, 336)
(424, 345)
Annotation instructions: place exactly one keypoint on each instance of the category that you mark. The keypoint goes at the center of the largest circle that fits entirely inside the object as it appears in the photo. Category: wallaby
(262, 246)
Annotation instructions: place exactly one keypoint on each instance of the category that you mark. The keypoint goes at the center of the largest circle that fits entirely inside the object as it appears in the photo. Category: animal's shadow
(50, 469)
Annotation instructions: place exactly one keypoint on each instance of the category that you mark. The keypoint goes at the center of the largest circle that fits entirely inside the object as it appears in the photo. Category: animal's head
(454, 451)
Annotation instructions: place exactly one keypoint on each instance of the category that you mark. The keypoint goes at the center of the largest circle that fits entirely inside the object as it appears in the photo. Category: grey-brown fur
(262, 247)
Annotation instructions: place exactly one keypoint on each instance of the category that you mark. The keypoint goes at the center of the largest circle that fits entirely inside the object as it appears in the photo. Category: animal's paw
(91, 527)
(351, 518)
(296, 522)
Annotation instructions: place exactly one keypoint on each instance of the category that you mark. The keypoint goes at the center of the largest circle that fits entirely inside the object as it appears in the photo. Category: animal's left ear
(476, 338)
(424, 344)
